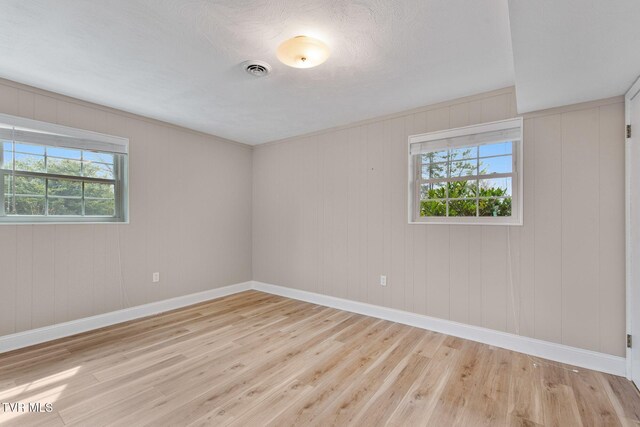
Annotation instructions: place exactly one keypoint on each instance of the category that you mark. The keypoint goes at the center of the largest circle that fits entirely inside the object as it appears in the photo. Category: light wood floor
(257, 359)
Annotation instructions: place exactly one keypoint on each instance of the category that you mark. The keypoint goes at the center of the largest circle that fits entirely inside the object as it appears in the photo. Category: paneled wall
(330, 216)
(190, 220)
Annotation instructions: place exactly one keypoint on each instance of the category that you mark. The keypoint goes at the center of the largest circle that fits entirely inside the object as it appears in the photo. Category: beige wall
(329, 216)
(190, 219)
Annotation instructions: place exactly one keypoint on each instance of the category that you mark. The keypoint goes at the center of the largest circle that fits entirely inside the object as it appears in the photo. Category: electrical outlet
(156, 277)
(383, 280)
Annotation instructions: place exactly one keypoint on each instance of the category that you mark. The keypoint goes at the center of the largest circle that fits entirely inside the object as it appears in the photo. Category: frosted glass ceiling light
(303, 52)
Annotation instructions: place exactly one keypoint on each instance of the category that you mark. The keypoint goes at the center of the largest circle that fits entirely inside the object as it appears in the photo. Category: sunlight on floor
(51, 395)
(7, 395)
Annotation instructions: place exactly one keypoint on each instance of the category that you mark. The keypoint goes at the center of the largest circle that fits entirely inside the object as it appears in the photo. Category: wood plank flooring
(254, 359)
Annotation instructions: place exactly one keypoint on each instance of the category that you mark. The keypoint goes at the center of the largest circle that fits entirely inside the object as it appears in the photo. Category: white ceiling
(179, 60)
(570, 51)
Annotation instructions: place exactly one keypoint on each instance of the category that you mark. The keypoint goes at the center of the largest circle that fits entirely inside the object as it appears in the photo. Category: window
(52, 173)
(469, 175)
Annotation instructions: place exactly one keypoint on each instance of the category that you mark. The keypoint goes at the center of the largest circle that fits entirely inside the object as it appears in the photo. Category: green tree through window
(35, 195)
(460, 182)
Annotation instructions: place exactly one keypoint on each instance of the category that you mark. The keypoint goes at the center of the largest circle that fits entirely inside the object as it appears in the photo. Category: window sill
(487, 221)
(61, 221)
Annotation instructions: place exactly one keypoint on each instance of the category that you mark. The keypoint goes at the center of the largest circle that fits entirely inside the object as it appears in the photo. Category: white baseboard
(557, 352)
(61, 330)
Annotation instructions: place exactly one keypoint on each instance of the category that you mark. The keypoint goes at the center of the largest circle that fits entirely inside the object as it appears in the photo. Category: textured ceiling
(569, 51)
(179, 60)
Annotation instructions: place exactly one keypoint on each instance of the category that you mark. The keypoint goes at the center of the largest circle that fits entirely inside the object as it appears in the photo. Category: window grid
(477, 177)
(47, 176)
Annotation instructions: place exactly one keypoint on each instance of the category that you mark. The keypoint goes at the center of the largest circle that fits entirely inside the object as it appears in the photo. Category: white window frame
(49, 134)
(439, 140)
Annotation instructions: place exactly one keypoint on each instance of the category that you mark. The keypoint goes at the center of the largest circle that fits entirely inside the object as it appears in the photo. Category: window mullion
(117, 187)
(446, 186)
(469, 178)
(66, 177)
(515, 180)
(46, 183)
(478, 183)
(13, 175)
(46, 197)
(419, 187)
(2, 190)
(82, 207)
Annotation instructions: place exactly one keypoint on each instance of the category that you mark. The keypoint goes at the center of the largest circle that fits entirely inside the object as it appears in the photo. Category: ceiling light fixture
(303, 52)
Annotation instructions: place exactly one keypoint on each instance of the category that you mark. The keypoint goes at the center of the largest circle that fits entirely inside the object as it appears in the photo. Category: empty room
(319, 213)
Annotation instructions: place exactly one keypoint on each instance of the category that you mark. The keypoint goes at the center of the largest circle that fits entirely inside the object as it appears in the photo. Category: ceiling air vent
(256, 68)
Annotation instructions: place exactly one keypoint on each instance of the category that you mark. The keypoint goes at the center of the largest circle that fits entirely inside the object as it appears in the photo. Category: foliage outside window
(65, 182)
(467, 175)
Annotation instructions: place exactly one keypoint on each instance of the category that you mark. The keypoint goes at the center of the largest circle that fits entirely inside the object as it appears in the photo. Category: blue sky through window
(494, 159)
